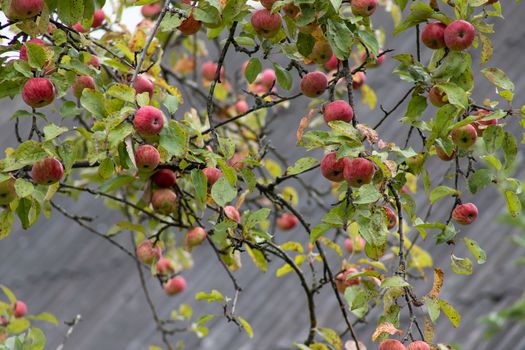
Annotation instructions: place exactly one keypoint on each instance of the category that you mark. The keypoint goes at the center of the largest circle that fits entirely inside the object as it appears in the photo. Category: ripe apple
(464, 136)
(98, 18)
(165, 178)
(23, 49)
(147, 252)
(164, 266)
(175, 285)
(232, 213)
(342, 281)
(190, 26)
(291, 10)
(237, 161)
(47, 171)
(433, 35)
(440, 152)
(194, 237)
(418, 345)
(338, 110)
(79, 28)
(358, 80)
(265, 23)
(364, 8)
(38, 92)
(392, 218)
(465, 214)
(314, 84)
(268, 4)
(24, 9)
(459, 35)
(437, 97)
(209, 69)
(331, 64)
(7, 191)
(481, 125)
(391, 344)
(212, 175)
(147, 157)
(143, 84)
(148, 121)
(151, 11)
(20, 309)
(351, 248)
(321, 52)
(82, 82)
(241, 106)
(164, 201)
(332, 168)
(93, 62)
(266, 78)
(287, 221)
(358, 171)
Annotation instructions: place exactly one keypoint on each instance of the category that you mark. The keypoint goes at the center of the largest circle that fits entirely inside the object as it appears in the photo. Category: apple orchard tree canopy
(178, 144)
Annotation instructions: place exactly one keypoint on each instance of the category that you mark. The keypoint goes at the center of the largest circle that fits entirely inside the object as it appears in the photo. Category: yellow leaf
(247, 327)
(438, 283)
(386, 327)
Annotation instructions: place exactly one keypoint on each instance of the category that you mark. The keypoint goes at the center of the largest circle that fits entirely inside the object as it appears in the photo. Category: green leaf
(23, 188)
(419, 12)
(331, 337)
(247, 327)
(461, 266)
(18, 325)
(318, 231)
(200, 183)
(213, 296)
(478, 253)
(301, 165)
(6, 223)
(370, 41)
(451, 313)
(373, 228)
(44, 316)
(106, 168)
(513, 203)
(416, 107)
(122, 92)
(38, 339)
(223, 192)
(36, 55)
(486, 49)
(94, 102)
(478, 180)
(433, 308)
(258, 258)
(455, 95)
(52, 131)
(340, 38)
(305, 44)
(253, 69)
(440, 192)
(284, 78)
(394, 281)
(70, 11)
(497, 77)
(9, 294)
(174, 138)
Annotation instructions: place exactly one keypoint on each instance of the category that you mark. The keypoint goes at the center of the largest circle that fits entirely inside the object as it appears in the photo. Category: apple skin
(331, 64)
(364, 8)
(459, 35)
(268, 4)
(391, 344)
(38, 92)
(209, 69)
(481, 125)
(98, 18)
(314, 84)
(151, 11)
(291, 10)
(321, 52)
(147, 252)
(20, 309)
(24, 9)
(437, 97)
(331, 168)
(342, 282)
(237, 161)
(392, 218)
(164, 201)
(433, 35)
(440, 152)
(418, 345)
(23, 49)
(373, 61)
(465, 214)
(164, 266)
(212, 175)
(165, 178)
(79, 28)
(242, 107)
(338, 110)
(266, 78)
(349, 245)
(143, 84)
(194, 238)
(287, 221)
(47, 171)
(464, 136)
(82, 82)
(148, 121)
(358, 80)
(232, 213)
(358, 172)
(7, 191)
(94, 62)
(190, 26)
(265, 23)
(147, 157)
(175, 285)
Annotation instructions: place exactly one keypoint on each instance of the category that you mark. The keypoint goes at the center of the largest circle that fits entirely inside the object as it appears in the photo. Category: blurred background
(58, 267)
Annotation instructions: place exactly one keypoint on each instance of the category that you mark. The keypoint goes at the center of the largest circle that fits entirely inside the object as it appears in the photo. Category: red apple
(38, 92)
(209, 69)
(24, 9)
(459, 35)
(165, 178)
(79, 28)
(98, 18)
(232, 213)
(391, 344)
(147, 157)
(465, 214)
(20, 309)
(94, 62)
(242, 107)
(332, 63)
(164, 266)
(481, 125)
(437, 97)
(147, 252)
(418, 345)
(358, 171)
(23, 49)
(190, 26)
(314, 84)
(464, 136)
(291, 10)
(373, 61)
(342, 281)
(287, 221)
(237, 161)
(354, 248)
(266, 78)
(164, 201)
(364, 8)
(47, 171)
(392, 218)
(267, 4)
(148, 121)
(82, 82)
(175, 285)
(338, 110)
(332, 168)
(265, 23)
(212, 175)
(358, 80)
(7, 191)
(151, 10)
(433, 35)
(143, 84)
(194, 237)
